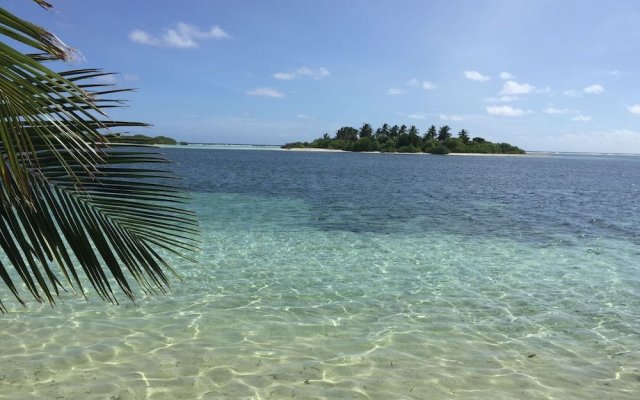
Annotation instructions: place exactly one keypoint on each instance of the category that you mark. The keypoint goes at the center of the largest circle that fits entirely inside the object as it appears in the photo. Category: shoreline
(537, 153)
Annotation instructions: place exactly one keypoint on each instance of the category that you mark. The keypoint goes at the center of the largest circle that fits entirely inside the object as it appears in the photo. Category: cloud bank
(613, 141)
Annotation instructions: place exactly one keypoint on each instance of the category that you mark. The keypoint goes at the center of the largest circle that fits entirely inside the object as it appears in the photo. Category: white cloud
(417, 116)
(511, 88)
(506, 76)
(634, 109)
(551, 110)
(476, 76)
(395, 92)
(284, 76)
(505, 111)
(265, 92)
(593, 89)
(444, 117)
(581, 118)
(314, 73)
(142, 37)
(182, 36)
(303, 116)
(130, 77)
(571, 93)
(412, 82)
(616, 74)
(501, 99)
(426, 85)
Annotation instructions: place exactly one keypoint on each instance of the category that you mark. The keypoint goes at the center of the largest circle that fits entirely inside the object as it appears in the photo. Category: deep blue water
(532, 198)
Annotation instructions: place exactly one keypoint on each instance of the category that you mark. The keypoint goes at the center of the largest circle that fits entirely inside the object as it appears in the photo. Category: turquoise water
(367, 276)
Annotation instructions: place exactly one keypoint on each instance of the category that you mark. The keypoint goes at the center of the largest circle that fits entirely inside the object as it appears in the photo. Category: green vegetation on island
(403, 139)
(140, 139)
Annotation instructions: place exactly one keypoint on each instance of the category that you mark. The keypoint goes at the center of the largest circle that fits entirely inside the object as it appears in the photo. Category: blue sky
(542, 75)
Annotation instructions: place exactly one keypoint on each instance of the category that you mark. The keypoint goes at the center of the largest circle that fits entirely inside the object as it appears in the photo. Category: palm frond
(33, 35)
(71, 204)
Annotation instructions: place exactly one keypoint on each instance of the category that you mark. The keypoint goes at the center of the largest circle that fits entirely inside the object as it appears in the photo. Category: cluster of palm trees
(403, 139)
(386, 132)
(76, 210)
(400, 138)
(388, 138)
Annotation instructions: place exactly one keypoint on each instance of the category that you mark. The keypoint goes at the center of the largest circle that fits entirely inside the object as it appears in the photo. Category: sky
(543, 75)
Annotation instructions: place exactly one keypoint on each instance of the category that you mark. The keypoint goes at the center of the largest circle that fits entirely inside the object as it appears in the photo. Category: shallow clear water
(368, 276)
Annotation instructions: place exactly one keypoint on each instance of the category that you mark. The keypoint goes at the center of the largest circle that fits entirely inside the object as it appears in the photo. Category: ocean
(366, 276)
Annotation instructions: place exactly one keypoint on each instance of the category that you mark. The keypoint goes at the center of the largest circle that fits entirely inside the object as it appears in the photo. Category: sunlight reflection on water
(294, 300)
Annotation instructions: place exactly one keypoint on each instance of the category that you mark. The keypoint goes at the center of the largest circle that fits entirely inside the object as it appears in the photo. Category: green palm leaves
(74, 208)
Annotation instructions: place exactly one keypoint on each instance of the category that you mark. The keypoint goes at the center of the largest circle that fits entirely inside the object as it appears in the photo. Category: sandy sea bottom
(281, 309)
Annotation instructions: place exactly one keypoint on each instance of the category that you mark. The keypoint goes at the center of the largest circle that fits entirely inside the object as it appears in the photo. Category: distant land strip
(142, 139)
(403, 139)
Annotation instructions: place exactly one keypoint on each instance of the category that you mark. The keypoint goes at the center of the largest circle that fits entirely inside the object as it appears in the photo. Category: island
(140, 139)
(403, 139)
